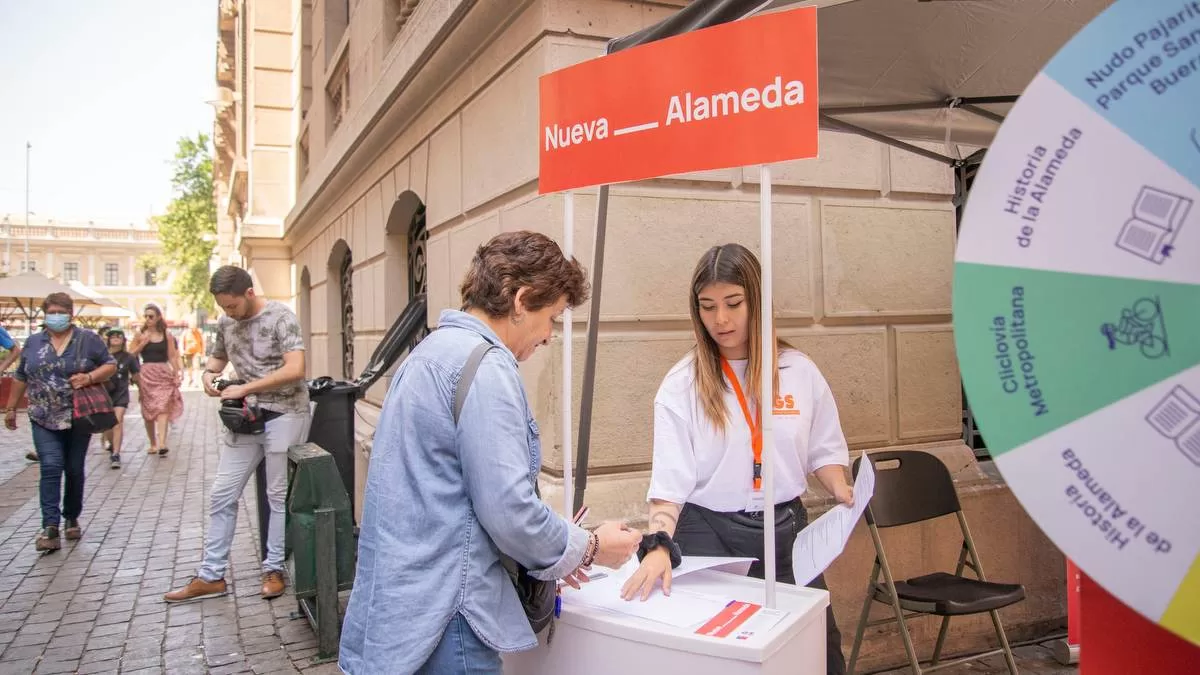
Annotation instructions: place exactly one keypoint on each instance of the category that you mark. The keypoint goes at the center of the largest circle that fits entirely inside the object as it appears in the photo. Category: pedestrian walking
(263, 342)
(128, 370)
(161, 376)
(193, 352)
(54, 363)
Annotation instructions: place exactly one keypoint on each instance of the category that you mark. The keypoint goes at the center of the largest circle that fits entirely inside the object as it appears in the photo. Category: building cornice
(434, 40)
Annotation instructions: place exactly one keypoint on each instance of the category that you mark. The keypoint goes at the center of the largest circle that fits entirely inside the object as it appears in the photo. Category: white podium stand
(591, 641)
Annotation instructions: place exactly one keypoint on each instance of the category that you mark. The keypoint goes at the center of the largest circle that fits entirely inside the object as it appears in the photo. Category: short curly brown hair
(514, 260)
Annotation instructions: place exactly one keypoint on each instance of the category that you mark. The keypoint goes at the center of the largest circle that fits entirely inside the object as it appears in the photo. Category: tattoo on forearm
(663, 520)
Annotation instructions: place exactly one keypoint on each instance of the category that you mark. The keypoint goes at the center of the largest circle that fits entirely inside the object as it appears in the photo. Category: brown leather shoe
(73, 530)
(197, 589)
(272, 584)
(48, 540)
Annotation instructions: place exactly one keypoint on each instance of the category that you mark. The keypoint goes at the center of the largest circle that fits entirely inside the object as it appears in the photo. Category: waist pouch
(245, 419)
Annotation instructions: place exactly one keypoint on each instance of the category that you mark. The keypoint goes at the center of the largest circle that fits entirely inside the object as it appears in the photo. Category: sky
(102, 89)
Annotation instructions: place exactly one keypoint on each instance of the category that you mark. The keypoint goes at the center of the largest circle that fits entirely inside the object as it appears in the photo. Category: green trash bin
(320, 541)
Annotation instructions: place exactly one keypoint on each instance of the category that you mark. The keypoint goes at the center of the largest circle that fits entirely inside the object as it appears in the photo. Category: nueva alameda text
(686, 108)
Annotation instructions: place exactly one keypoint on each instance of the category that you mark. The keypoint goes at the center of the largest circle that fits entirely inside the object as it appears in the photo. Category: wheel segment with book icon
(1077, 305)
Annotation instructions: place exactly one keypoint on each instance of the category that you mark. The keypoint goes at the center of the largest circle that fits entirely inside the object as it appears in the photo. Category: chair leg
(895, 601)
(862, 619)
(941, 640)
(1008, 655)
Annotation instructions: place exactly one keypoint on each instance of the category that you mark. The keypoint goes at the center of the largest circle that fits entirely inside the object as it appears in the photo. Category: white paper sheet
(684, 608)
(819, 544)
(695, 563)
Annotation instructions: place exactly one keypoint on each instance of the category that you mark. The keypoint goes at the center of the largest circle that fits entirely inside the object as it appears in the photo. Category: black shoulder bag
(537, 596)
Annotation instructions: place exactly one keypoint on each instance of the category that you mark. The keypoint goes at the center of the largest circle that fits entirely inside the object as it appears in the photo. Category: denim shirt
(442, 501)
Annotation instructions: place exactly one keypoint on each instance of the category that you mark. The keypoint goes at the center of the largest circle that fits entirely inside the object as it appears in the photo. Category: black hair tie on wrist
(660, 539)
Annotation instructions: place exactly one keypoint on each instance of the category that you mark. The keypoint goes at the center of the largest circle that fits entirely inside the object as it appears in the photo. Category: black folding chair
(911, 487)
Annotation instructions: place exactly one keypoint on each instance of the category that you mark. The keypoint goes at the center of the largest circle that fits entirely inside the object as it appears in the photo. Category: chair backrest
(910, 486)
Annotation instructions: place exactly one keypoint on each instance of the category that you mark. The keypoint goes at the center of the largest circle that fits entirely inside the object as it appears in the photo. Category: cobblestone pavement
(96, 606)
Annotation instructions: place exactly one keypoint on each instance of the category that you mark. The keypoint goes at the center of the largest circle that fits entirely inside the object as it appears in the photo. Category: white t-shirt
(695, 463)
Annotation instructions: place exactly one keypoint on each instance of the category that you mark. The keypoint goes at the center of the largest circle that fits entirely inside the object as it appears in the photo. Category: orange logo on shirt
(785, 405)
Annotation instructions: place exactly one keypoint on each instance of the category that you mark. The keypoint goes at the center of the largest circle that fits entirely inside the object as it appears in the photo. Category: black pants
(705, 532)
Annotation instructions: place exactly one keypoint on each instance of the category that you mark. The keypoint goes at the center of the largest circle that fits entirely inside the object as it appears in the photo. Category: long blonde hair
(730, 264)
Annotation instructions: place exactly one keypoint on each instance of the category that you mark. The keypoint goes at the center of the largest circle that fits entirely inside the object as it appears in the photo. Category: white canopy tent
(896, 71)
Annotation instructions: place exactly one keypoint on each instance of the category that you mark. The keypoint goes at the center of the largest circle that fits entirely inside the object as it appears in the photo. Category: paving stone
(111, 666)
(48, 666)
(105, 654)
(16, 666)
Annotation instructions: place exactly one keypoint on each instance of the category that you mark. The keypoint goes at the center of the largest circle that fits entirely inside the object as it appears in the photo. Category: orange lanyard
(754, 422)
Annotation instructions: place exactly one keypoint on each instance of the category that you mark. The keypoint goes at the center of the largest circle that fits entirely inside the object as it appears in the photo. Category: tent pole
(986, 114)
(766, 399)
(886, 107)
(567, 330)
(985, 100)
(846, 126)
(589, 361)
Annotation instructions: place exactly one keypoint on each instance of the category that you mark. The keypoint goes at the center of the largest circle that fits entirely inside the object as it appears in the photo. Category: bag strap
(464, 385)
(468, 376)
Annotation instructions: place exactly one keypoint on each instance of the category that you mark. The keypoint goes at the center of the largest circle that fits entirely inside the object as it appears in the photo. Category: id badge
(756, 503)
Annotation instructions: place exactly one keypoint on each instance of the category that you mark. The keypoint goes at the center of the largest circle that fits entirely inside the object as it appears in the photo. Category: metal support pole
(567, 358)
(766, 394)
(867, 133)
(589, 362)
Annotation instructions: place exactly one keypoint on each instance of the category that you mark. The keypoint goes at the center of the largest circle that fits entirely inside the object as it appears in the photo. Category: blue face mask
(58, 322)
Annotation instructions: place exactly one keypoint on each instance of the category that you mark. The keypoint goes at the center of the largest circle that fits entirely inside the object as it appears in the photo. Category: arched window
(404, 266)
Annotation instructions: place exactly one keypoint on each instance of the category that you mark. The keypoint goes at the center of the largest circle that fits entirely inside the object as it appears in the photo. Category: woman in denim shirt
(53, 365)
(443, 500)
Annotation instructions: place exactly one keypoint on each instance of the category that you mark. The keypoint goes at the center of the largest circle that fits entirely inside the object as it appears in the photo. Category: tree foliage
(188, 229)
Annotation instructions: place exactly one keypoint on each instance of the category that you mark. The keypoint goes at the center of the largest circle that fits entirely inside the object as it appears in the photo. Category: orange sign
(736, 94)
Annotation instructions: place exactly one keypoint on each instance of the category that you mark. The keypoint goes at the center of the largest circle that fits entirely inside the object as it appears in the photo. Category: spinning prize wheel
(1077, 305)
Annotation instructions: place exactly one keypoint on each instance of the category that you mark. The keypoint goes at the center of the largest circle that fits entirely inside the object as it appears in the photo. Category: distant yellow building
(106, 257)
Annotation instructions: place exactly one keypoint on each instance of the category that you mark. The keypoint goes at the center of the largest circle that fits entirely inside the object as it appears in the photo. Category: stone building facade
(370, 146)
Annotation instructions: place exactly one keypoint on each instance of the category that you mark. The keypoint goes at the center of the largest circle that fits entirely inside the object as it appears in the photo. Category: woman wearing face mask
(53, 364)
(445, 498)
(118, 389)
(161, 376)
(705, 484)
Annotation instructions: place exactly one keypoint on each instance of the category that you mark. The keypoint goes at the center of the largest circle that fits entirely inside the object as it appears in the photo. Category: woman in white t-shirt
(705, 486)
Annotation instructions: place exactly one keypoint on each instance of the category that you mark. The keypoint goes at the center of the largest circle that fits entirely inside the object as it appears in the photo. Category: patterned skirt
(159, 393)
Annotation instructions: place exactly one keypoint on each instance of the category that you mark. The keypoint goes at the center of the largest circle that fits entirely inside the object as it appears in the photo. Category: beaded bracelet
(593, 547)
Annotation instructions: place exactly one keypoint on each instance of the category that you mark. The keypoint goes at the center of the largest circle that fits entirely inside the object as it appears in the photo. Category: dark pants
(712, 533)
(60, 452)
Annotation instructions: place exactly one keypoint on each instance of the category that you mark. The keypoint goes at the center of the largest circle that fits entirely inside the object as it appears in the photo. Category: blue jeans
(461, 652)
(60, 452)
